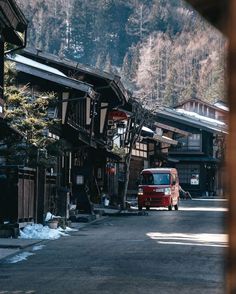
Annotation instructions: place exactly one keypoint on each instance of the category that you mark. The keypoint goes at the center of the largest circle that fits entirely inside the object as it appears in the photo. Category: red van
(159, 187)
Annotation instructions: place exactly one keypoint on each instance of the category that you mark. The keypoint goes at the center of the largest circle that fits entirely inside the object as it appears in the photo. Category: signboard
(79, 180)
(194, 179)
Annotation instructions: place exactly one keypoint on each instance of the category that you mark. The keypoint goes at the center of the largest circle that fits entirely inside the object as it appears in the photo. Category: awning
(37, 69)
(172, 116)
(165, 139)
(146, 129)
(173, 129)
(151, 135)
(162, 139)
(107, 84)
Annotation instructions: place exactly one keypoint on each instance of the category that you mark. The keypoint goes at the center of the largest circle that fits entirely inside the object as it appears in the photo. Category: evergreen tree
(28, 115)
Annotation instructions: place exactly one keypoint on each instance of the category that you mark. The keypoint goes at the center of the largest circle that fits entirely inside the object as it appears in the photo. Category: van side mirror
(173, 182)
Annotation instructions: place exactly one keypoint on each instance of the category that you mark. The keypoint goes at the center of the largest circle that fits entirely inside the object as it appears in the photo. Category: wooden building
(89, 125)
(13, 32)
(150, 150)
(13, 29)
(47, 189)
(199, 154)
(218, 111)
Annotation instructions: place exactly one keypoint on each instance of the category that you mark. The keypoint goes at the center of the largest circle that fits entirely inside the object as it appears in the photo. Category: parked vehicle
(159, 187)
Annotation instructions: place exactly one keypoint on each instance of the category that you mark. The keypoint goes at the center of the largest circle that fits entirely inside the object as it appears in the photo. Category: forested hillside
(163, 50)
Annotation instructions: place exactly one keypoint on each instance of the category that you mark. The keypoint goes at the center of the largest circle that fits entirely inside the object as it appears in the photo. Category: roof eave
(191, 122)
(111, 79)
(65, 81)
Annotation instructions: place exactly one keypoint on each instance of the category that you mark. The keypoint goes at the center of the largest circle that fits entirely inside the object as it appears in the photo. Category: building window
(191, 143)
(211, 113)
(140, 150)
(194, 142)
(188, 172)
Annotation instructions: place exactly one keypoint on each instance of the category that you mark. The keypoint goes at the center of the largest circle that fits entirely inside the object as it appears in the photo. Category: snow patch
(68, 229)
(19, 257)
(37, 247)
(200, 117)
(37, 231)
(30, 62)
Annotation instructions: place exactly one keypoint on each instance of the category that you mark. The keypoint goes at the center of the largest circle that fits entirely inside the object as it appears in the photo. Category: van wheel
(170, 207)
(147, 208)
(176, 206)
(140, 208)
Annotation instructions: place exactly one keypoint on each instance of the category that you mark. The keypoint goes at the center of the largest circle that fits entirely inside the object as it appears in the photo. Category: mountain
(163, 50)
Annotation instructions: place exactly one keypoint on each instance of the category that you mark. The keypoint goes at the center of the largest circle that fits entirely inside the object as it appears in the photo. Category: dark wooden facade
(84, 113)
(13, 31)
(17, 187)
(197, 156)
(13, 28)
(51, 185)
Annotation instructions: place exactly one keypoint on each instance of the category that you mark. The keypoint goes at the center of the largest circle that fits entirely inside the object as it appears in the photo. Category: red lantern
(112, 170)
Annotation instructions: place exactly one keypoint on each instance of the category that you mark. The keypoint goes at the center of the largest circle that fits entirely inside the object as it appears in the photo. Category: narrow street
(162, 252)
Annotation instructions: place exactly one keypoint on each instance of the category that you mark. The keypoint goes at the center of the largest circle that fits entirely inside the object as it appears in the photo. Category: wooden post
(41, 186)
(231, 151)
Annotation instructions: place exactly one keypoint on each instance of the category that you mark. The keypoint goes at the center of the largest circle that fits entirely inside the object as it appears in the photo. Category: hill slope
(163, 50)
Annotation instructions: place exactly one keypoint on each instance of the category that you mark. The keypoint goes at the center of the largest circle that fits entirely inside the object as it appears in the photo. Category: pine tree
(28, 115)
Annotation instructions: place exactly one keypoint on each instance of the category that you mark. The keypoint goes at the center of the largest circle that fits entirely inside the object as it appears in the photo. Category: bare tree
(137, 24)
(136, 122)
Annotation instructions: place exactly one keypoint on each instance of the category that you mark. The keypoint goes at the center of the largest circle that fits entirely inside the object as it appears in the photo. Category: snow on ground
(19, 257)
(68, 229)
(37, 231)
(36, 248)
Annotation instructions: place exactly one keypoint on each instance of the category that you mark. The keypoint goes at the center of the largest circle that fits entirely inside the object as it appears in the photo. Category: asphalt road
(162, 252)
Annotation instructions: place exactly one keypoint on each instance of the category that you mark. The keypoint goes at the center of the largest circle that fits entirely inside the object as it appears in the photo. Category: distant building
(199, 156)
(218, 111)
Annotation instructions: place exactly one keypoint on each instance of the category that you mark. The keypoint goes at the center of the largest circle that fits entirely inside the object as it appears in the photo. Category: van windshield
(155, 179)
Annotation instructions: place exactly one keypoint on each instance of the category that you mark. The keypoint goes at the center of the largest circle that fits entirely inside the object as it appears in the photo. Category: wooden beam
(169, 128)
